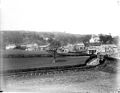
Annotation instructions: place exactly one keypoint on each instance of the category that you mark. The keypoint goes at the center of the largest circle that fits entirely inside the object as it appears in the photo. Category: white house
(62, 50)
(66, 49)
(31, 47)
(69, 48)
(44, 47)
(10, 46)
(79, 47)
(93, 48)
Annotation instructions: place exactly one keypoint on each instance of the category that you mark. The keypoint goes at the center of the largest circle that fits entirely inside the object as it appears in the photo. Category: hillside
(41, 38)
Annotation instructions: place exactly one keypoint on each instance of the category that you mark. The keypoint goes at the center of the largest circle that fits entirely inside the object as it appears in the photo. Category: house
(36, 47)
(79, 47)
(10, 46)
(62, 50)
(69, 48)
(44, 47)
(66, 49)
(117, 54)
(31, 47)
(93, 48)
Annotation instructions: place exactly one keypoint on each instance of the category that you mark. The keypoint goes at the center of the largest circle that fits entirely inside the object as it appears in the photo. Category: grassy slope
(110, 64)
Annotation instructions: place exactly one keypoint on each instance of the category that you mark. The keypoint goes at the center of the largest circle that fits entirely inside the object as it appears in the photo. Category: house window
(92, 51)
(81, 48)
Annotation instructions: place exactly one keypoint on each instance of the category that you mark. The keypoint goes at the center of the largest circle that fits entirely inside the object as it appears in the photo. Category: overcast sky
(73, 16)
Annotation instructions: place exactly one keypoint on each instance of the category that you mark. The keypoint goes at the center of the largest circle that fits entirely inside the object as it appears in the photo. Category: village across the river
(94, 46)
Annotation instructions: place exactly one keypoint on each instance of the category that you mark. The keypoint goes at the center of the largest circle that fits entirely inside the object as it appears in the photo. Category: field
(23, 53)
(101, 79)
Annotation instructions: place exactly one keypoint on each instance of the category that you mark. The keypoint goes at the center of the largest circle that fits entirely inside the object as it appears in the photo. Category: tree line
(24, 37)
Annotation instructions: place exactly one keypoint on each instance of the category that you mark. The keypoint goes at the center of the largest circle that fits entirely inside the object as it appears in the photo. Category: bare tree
(54, 45)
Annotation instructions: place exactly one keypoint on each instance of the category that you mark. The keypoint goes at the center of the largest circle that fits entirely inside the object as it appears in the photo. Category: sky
(71, 16)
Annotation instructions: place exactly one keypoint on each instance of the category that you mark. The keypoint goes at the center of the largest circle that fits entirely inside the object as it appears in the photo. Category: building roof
(79, 44)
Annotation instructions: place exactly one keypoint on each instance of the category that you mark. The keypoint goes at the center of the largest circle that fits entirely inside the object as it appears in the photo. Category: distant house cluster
(28, 47)
(102, 48)
(10, 46)
(78, 47)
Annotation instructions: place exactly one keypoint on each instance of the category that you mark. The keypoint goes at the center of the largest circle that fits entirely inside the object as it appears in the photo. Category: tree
(86, 38)
(12, 38)
(54, 45)
(116, 40)
(106, 39)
